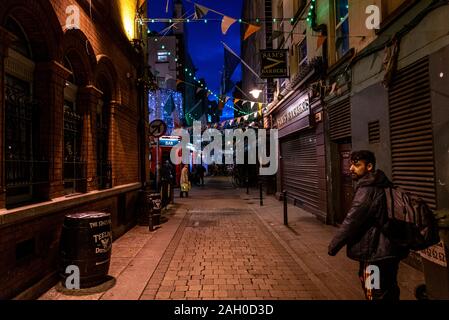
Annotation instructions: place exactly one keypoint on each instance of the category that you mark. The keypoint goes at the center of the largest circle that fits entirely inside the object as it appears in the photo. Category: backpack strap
(390, 199)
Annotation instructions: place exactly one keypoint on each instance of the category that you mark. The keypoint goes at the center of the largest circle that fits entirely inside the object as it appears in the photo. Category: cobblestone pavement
(220, 244)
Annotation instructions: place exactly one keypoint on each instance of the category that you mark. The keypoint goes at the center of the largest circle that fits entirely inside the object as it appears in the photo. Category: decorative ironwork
(25, 167)
(74, 167)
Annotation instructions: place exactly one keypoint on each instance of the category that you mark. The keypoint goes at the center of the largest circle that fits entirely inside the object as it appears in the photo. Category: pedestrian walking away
(185, 182)
(361, 231)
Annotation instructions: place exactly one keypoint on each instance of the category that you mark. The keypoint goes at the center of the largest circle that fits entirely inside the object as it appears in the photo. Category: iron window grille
(25, 168)
(74, 166)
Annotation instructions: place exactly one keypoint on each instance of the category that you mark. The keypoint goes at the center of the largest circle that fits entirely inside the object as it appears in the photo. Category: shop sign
(274, 63)
(435, 254)
(298, 110)
(169, 141)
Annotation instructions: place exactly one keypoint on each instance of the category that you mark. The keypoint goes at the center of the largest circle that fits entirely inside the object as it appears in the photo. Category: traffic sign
(157, 128)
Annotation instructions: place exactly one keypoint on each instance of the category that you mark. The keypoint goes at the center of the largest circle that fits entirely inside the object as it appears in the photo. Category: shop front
(302, 156)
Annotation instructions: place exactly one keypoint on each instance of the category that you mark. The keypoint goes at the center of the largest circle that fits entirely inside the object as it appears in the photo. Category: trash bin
(434, 259)
(86, 242)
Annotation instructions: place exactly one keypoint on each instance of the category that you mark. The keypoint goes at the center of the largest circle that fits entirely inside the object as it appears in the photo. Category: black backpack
(411, 223)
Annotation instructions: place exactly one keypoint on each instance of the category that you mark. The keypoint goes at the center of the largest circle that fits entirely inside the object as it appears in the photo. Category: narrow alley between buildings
(219, 243)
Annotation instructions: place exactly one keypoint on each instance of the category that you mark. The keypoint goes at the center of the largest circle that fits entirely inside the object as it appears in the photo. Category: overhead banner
(274, 63)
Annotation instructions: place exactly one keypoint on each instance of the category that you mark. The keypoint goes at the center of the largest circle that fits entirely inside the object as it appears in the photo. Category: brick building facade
(69, 138)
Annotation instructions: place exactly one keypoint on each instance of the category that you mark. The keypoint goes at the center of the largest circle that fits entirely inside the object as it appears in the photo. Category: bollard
(285, 208)
(261, 194)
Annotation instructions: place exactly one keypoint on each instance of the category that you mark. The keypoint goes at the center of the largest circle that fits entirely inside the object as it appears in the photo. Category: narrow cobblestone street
(220, 244)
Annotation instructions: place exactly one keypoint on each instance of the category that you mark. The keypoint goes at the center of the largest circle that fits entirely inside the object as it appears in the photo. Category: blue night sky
(204, 40)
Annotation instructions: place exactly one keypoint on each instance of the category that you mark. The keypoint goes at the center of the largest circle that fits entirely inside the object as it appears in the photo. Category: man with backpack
(361, 231)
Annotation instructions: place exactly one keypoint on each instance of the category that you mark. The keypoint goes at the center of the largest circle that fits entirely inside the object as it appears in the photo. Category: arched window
(25, 168)
(74, 166)
(104, 166)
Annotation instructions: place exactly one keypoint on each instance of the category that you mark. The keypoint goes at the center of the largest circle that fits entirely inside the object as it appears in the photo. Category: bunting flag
(169, 105)
(226, 23)
(320, 41)
(236, 100)
(276, 34)
(255, 114)
(246, 117)
(252, 104)
(178, 82)
(231, 121)
(200, 11)
(230, 64)
(227, 99)
(259, 109)
(198, 90)
(251, 29)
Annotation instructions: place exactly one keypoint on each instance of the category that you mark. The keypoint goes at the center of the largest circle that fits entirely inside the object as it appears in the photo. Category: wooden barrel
(86, 242)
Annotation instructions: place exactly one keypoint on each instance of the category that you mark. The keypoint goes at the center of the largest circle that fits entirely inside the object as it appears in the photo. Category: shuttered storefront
(339, 119)
(300, 169)
(411, 131)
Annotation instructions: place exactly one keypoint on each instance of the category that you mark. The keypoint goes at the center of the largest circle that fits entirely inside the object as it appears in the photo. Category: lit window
(341, 27)
(162, 56)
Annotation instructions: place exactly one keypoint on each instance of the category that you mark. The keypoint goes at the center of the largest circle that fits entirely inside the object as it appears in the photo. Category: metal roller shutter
(340, 119)
(411, 131)
(300, 170)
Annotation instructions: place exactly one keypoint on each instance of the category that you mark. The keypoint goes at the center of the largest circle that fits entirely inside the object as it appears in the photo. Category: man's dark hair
(364, 155)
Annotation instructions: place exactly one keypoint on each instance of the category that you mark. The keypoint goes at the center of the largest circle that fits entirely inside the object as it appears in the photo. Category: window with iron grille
(374, 132)
(25, 168)
(341, 28)
(104, 166)
(74, 167)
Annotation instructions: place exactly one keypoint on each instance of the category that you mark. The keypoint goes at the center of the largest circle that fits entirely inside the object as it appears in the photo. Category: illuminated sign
(169, 141)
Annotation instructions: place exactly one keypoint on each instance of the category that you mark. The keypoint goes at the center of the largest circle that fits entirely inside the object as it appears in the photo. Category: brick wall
(97, 40)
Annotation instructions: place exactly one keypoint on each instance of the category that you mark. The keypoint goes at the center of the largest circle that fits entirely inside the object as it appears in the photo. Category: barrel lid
(88, 215)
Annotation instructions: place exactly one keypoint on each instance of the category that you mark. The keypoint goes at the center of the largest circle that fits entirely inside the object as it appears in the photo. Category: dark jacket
(361, 229)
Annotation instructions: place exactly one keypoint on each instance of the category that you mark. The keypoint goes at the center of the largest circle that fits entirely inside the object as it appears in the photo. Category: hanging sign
(274, 63)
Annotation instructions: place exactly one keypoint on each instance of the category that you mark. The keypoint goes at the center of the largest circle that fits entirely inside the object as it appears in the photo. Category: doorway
(346, 187)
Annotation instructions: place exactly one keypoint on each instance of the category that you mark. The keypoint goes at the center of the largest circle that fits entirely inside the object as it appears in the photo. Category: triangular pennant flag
(246, 117)
(198, 90)
(251, 29)
(227, 99)
(231, 121)
(200, 11)
(226, 23)
(255, 114)
(276, 34)
(178, 82)
(320, 41)
(236, 100)
(252, 104)
(260, 109)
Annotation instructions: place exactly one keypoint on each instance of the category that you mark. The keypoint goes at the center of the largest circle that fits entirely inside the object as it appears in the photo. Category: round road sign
(157, 128)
